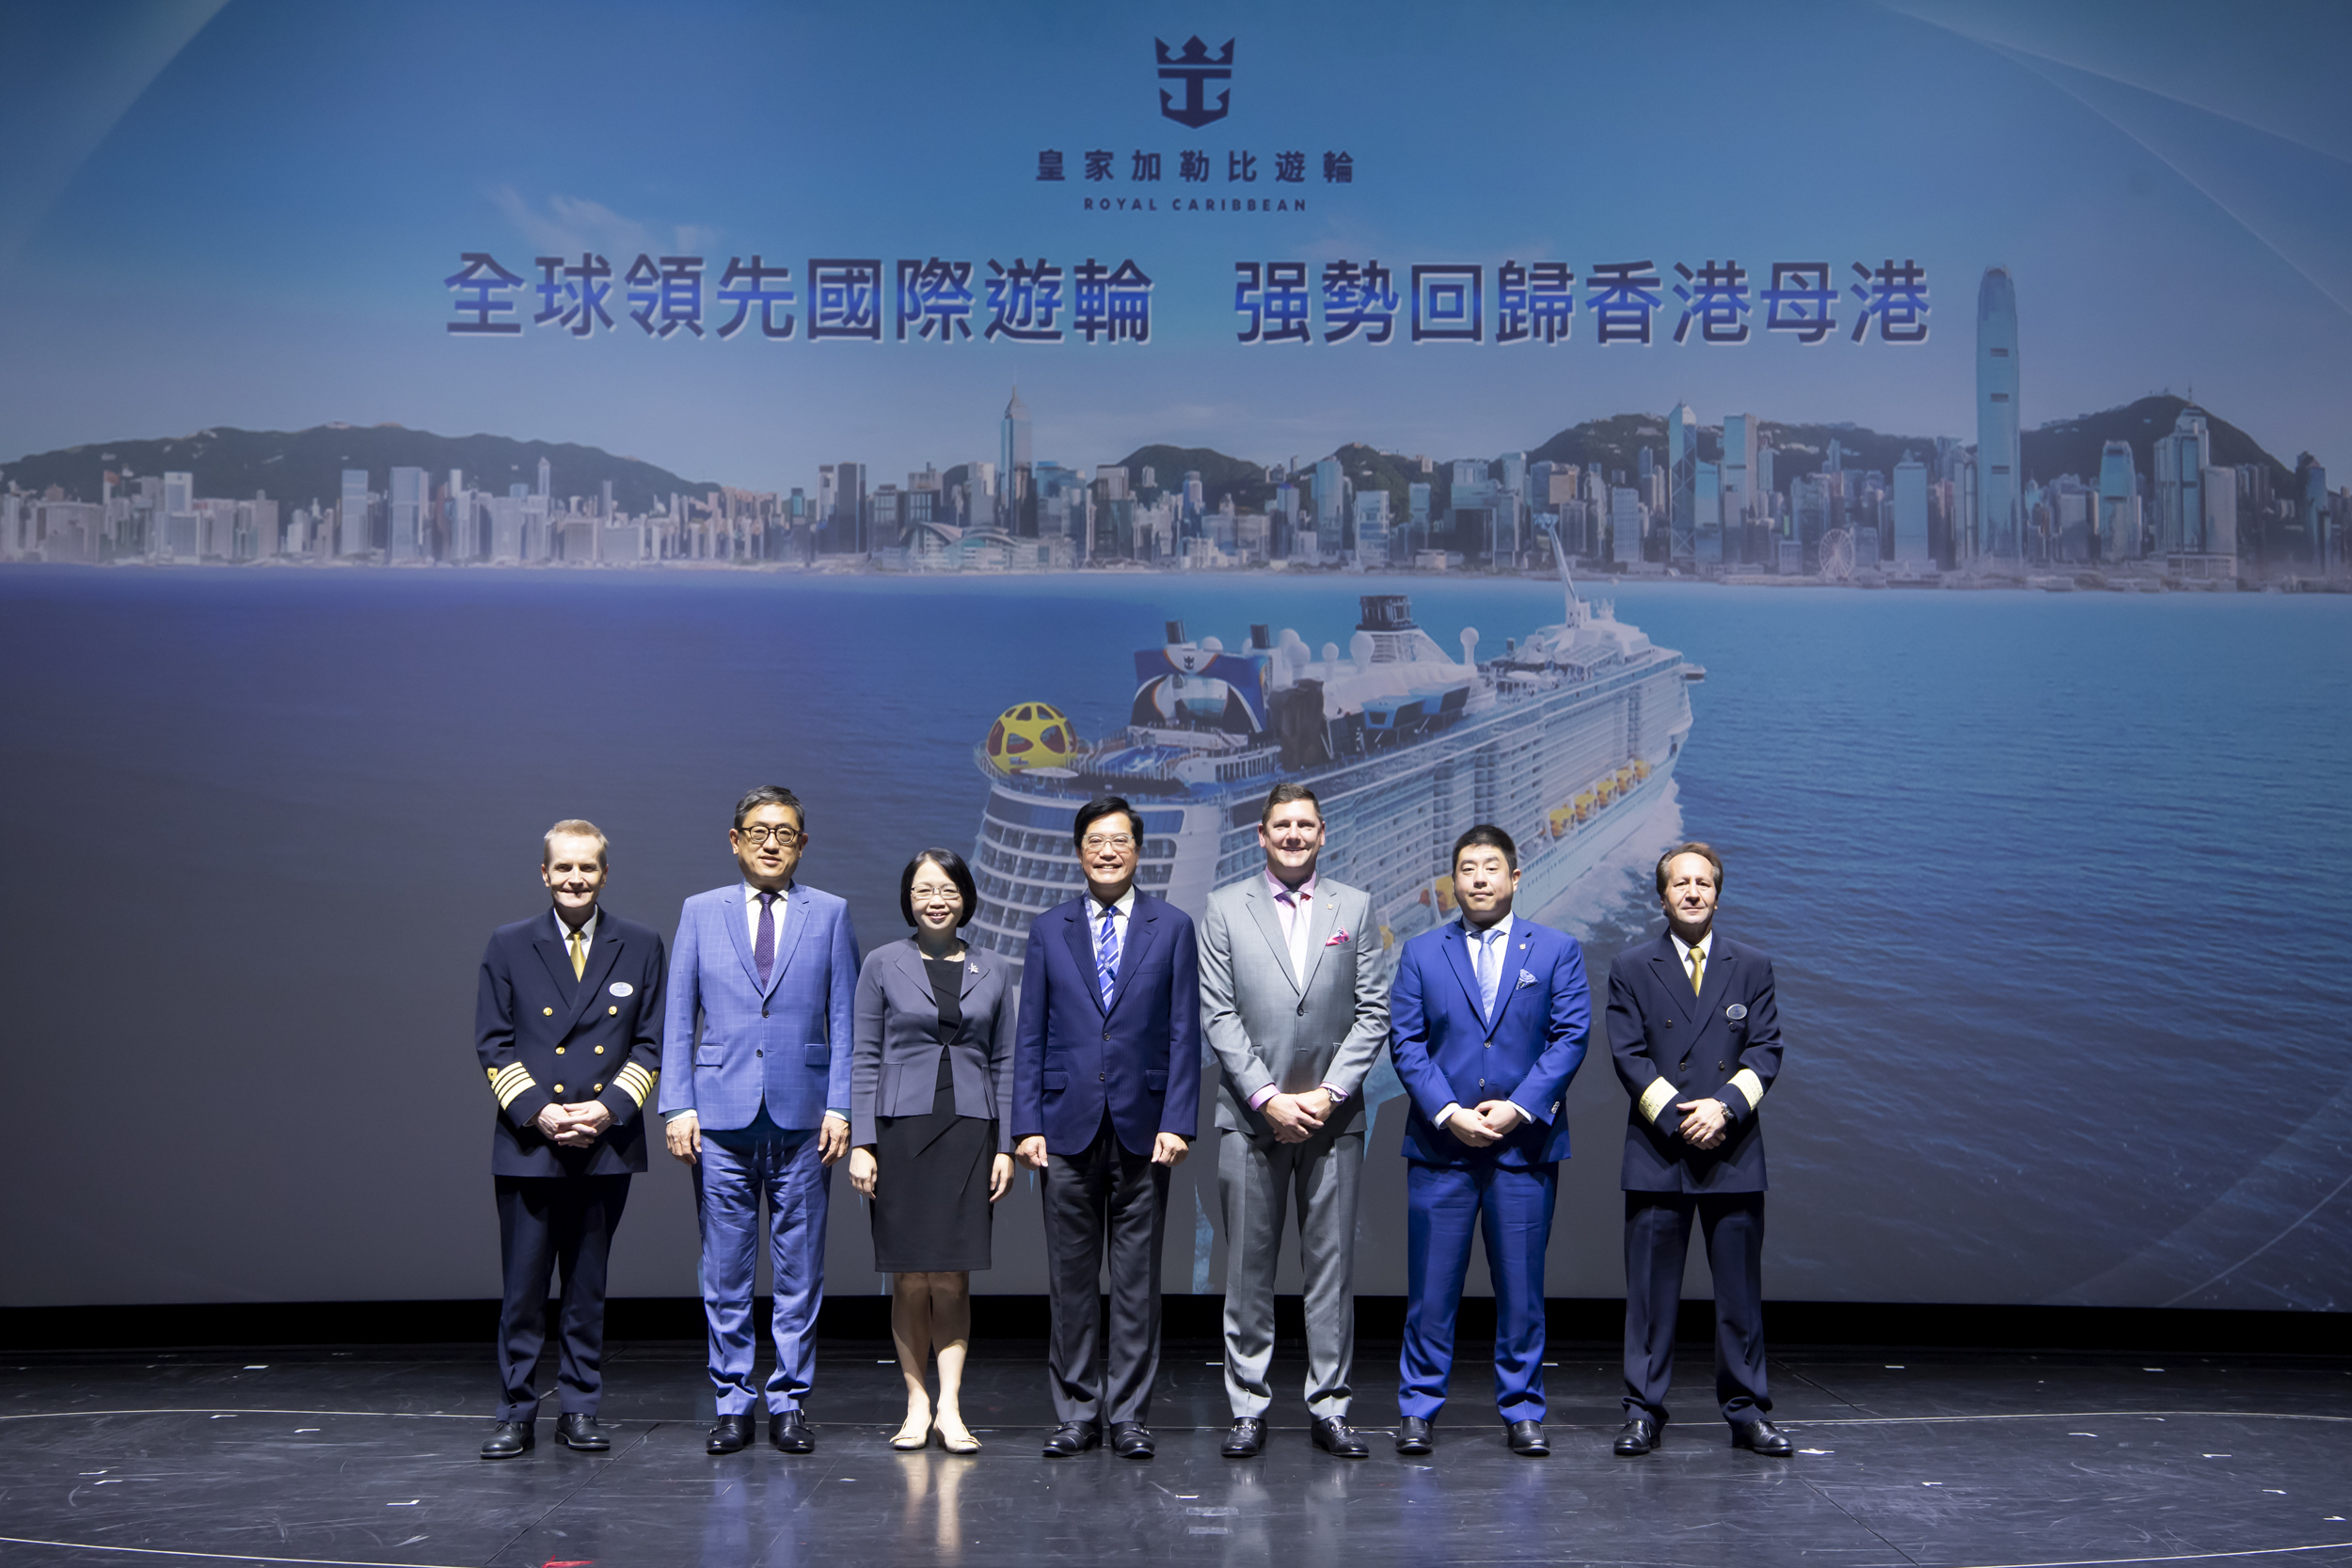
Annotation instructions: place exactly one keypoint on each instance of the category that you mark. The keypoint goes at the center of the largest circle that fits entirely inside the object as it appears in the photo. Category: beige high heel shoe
(914, 1432)
(958, 1441)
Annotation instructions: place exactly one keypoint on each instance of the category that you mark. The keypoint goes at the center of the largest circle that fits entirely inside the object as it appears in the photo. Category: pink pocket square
(1337, 939)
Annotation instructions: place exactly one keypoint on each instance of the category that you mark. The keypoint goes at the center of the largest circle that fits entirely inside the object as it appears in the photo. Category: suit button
(759, 1052)
(1719, 1067)
(559, 1051)
(1302, 1009)
(1101, 1077)
(612, 1013)
(600, 1051)
(559, 1088)
(599, 1089)
(1670, 1024)
(763, 1012)
(546, 1012)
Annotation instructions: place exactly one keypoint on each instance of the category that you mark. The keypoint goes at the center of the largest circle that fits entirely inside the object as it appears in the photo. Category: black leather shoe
(1527, 1440)
(728, 1435)
(1246, 1439)
(788, 1431)
(1414, 1435)
(1132, 1440)
(581, 1433)
(1637, 1437)
(1332, 1434)
(507, 1439)
(1072, 1439)
(1762, 1437)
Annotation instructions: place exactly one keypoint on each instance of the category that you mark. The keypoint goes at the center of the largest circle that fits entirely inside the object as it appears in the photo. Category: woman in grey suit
(931, 1076)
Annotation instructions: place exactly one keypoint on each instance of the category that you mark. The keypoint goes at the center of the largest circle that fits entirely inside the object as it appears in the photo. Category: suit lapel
(1667, 964)
(559, 961)
(602, 953)
(974, 972)
(1322, 921)
(731, 909)
(1713, 981)
(1142, 926)
(1269, 923)
(1508, 964)
(1080, 930)
(1457, 949)
(788, 937)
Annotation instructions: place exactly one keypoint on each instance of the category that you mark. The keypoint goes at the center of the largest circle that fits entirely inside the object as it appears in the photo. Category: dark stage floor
(367, 1456)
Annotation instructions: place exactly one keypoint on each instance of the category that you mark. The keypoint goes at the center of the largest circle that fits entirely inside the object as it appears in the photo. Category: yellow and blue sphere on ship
(1031, 735)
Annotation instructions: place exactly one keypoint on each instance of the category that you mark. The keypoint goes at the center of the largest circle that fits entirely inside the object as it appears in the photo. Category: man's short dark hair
(1097, 809)
(769, 795)
(1693, 848)
(1282, 795)
(1490, 836)
(951, 865)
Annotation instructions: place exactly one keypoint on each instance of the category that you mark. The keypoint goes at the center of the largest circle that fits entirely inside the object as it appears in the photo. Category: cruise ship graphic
(1568, 738)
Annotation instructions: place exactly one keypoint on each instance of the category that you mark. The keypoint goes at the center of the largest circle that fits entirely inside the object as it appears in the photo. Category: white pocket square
(1527, 978)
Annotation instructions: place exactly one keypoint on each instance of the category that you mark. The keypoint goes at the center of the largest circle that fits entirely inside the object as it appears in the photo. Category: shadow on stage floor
(366, 1455)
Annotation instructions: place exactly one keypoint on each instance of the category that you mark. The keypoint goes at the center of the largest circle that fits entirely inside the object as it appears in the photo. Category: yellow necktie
(580, 955)
(1698, 969)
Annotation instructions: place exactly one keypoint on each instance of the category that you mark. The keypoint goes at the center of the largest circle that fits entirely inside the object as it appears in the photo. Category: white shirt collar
(1500, 928)
(750, 895)
(1705, 945)
(587, 929)
(1127, 904)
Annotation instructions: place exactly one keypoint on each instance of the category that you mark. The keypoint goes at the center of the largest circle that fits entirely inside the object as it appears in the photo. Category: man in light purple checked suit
(756, 1089)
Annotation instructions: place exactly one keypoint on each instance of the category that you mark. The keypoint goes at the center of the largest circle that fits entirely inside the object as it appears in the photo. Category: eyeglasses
(1106, 841)
(761, 833)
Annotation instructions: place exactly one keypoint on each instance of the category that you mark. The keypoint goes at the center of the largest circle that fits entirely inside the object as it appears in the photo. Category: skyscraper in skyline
(2181, 460)
(1682, 457)
(1999, 536)
(352, 515)
(406, 504)
(1014, 465)
(2119, 503)
(1740, 492)
(1909, 502)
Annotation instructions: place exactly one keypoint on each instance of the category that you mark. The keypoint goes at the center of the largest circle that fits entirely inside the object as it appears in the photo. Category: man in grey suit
(1295, 1002)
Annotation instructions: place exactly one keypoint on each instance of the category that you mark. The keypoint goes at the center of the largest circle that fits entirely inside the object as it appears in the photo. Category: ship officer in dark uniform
(568, 1025)
(1695, 1037)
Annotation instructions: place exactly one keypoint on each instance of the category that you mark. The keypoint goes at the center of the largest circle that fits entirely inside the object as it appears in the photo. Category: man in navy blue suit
(1695, 1035)
(1107, 1101)
(755, 1087)
(567, 1024)
(1488, 1026)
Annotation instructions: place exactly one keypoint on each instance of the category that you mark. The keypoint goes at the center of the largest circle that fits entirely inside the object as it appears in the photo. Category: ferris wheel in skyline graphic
(1837, 549)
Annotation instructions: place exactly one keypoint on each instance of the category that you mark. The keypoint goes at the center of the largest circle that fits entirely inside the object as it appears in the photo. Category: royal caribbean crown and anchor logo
(1196, 68)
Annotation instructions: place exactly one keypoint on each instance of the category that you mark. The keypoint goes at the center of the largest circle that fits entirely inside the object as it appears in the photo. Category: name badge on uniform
(1737, 1011)
(622, 988)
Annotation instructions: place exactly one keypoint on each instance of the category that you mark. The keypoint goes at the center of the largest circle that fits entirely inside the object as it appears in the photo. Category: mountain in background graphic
(300, 467)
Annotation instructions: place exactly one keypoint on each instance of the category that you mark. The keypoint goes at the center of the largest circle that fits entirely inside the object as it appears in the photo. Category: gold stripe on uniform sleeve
(510, 1083)
(1655, 1098)
(1748, 1084)
(636, 1081)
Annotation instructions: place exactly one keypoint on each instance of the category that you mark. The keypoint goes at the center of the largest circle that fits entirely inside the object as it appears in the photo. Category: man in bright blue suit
(1488, 1024)
(755, 1087)
(1107, 1101)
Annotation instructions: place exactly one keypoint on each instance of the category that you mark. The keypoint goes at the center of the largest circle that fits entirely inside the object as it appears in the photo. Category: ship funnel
(1261, 636)
(1470, 646)
(1175, 633)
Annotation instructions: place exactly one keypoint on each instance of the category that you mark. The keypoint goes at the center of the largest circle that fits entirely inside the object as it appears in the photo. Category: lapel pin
(1737, 1011)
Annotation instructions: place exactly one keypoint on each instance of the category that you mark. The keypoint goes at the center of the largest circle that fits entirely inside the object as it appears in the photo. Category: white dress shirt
(587, 929)
(1505, 979)
(751, 909)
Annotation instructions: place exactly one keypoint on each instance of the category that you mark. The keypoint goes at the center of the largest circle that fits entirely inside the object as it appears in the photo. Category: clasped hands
(1296, 1117)
(1490, 1121)
(575, 1126)
(1705, 1122)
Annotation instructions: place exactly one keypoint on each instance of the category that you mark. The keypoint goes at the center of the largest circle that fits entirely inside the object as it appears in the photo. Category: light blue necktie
(1489, 972)
(1106, 955)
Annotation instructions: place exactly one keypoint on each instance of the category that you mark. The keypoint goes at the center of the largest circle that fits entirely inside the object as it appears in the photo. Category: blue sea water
(2052, 883)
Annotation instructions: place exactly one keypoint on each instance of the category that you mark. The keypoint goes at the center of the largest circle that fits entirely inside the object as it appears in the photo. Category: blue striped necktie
(1106, 955)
